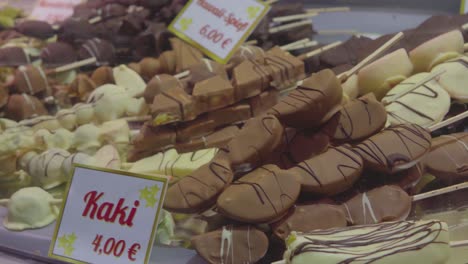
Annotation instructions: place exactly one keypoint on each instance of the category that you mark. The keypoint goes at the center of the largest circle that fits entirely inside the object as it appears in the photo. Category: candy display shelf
(34, 244)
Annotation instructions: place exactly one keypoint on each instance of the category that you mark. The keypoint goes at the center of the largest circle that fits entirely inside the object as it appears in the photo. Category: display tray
(35, 244)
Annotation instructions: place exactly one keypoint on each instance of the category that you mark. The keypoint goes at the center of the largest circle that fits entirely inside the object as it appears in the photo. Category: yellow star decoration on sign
(252, 11)
(149, 194)
(185, 23)
(67, 242)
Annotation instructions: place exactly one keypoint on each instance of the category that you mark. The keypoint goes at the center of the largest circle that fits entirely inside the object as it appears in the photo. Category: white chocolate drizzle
(226, 237)
(366, 205)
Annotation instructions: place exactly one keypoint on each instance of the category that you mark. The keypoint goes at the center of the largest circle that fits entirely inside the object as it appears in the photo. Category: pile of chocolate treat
(264, 160)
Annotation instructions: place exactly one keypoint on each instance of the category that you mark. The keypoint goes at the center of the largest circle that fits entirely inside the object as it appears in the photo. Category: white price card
(108, 216)
(218, 27)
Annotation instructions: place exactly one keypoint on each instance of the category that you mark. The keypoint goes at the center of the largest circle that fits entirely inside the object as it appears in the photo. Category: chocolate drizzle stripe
(305, 167)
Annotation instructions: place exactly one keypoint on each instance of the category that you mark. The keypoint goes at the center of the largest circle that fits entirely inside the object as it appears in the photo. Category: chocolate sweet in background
(249, 79)
(255, 141)
(346, 53)
(205, 69)
(329, 173)
(199, 190)
(308, 105)
(32, 80)
(232, 245)
(153, 41)
(216, 139)
(357, 120)
(386, 203)
(448, 158)
(101, 49)
(395, 149)
(285, 69)
(268, 191)
(185, 54)
(23, 106)
(103, 75)
(306, 218)
(56, 54)
(76, 31)
(35, 28)
(13, 57)
(4, 95)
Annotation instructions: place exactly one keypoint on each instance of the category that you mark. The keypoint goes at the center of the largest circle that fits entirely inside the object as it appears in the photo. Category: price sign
(53, 11)
(218, 27)
(108, 216)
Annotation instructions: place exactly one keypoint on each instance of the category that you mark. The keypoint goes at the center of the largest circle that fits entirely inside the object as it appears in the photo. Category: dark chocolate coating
(101, 49)
(13, 57)
(23, 106)
(57, 54)
(36, 29)
(268, 191)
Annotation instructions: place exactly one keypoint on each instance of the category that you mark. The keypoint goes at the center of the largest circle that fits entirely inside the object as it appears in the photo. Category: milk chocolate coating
(386, 203)
(149, 67)
(185, 55)
(13, 56)
(306, 106)
(395, 148)
(298, 146)
(158, 84)
(36, 28)
(448, 158)
(232, 245)
(213, 93)
(206, 69)
(4, 95)
(103, 75)
(216, 139)
(198, 191)
(31, 79)
(306, 218)
(57, 54)
(246, 52)
(82, 87)
(260, 104)
(357, 120)
(151, 140)
(168, 62)
(268, 191)
(249, 79)
(22, 106)
(254, 142)
(329, 173)
(175, 104)
(285, 69)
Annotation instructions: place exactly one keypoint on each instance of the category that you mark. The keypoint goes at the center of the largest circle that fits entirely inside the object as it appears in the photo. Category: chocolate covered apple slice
(307, 106)
(232, 245)
(383, 204)
(329, 173)
(268, 191)
(395, 148)
(306, 218)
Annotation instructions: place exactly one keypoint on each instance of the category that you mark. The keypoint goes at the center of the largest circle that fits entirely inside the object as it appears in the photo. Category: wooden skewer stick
(182, 74)
(251, 42)
(449, 121)
(270, 2)
(304, 45)
(95, 20)
(328, 9)
(371, 57)
(445, 190)
(73, 65)
(322, 49)
(460, 243)
(292, 44)
(294, 17)
(425, 80)
(289, 26)
(337, 32)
